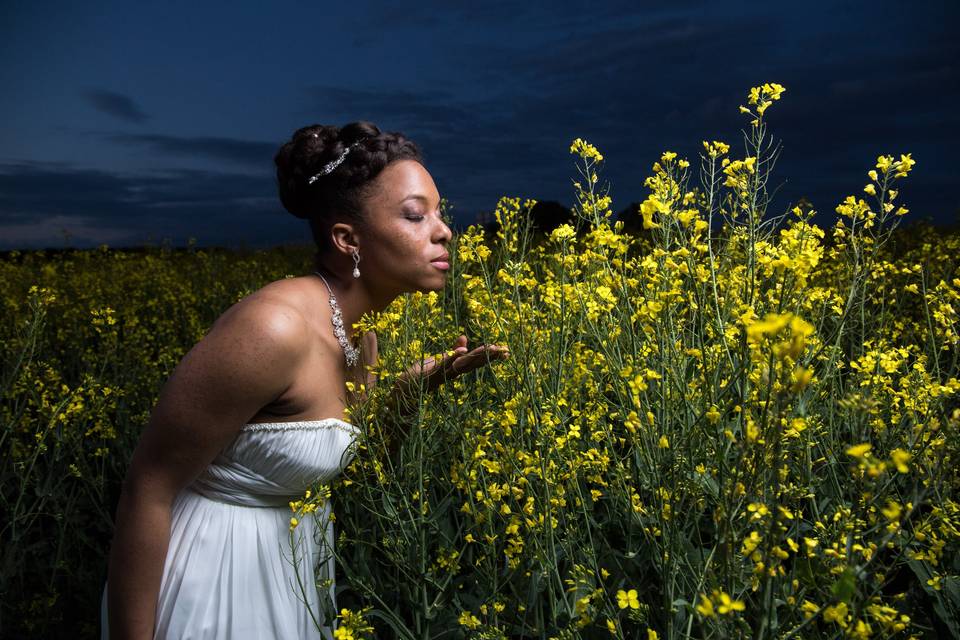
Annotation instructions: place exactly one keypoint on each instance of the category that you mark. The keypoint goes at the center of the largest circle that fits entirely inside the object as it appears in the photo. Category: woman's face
(404, 246)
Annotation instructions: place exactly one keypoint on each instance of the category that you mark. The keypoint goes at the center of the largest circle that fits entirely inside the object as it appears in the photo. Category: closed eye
(415, 218)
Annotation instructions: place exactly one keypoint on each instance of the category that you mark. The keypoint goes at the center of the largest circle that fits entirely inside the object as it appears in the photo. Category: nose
(444, 235)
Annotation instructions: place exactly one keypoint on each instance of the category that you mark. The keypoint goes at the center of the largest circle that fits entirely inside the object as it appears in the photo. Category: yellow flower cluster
(719, 603)
(762, 97)
(585, 150)
(311, 501)
(352, 625)
(716, 149)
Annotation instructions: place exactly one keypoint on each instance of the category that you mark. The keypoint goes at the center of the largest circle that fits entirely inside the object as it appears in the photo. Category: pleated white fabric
(232, 570)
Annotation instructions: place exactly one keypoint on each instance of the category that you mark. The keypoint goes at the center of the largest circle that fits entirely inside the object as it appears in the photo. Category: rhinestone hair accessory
(351, 353)
(330, 166)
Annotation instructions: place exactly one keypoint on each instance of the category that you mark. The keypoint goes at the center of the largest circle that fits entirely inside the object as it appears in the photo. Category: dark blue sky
(122, 121)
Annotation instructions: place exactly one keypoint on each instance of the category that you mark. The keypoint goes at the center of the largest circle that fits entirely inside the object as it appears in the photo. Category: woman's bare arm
(248, 359)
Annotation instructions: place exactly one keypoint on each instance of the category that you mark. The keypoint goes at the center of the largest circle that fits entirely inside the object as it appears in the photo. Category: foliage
(88, 338)
(738, 425)
(734, 424)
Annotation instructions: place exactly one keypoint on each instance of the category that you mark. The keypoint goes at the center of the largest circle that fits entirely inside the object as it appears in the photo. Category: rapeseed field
(729, 422)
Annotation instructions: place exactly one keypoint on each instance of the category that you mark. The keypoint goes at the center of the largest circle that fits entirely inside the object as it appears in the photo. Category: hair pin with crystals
(330, 166)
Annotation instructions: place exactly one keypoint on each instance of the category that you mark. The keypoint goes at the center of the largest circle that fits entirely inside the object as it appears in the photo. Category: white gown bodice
(234, 569)
(269, 464)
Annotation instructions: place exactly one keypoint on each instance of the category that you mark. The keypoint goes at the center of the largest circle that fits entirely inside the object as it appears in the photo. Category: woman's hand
(434, 372)
(457, 362)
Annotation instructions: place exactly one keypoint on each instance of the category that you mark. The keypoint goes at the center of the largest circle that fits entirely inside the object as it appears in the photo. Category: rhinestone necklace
(352, 353)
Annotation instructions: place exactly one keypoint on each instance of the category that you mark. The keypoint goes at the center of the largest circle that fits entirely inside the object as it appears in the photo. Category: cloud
(115, 104)
(65, 230)
(430, 109)
(617, 84)
(37, 200)
(500, 92)
(462, 138)
(243, 152)
(531, 18)
(638, 82)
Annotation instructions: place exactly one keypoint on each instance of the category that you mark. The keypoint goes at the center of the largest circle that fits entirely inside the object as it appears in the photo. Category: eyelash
(415, 218)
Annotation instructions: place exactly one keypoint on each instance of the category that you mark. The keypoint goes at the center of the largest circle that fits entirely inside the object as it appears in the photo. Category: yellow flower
(836, 613)
(686, 216)
(764, 96)
(861, 631)
(713, 414)
(468, 620)
(774, 90)
(705, 608)
(716, 148)
(892, 511)
(563, 232)
(771, 324)
(628, 599)
(647, 208)
(729, 605)
(800, 378)
(758, 509)
(903, 167)
(664, 442)
(751, 542)
(859, 450)
(900, 459)
(585, 150)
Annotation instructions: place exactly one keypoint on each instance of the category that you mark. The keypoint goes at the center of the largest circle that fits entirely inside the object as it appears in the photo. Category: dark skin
(272, 357)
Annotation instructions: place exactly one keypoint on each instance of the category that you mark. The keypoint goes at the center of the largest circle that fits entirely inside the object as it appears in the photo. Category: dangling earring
(356, 261)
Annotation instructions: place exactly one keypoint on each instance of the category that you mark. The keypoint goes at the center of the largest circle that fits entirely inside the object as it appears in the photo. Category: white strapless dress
(231, 571)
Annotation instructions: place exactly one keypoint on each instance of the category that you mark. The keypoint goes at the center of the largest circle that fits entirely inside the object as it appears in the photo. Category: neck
(354, 298)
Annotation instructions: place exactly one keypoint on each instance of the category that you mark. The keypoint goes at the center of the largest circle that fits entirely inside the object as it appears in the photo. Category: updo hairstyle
(340, 193)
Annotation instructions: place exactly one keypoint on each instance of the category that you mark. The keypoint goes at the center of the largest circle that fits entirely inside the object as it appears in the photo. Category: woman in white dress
(254, 413)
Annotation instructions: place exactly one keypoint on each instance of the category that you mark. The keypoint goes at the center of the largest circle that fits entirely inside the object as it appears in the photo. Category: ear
(344, 238)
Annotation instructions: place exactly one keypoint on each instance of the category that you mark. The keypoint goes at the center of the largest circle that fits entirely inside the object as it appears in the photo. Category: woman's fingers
(479, 357)
(460, 360)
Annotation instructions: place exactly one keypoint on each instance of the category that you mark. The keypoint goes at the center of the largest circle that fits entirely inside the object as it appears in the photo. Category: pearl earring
(356, 261)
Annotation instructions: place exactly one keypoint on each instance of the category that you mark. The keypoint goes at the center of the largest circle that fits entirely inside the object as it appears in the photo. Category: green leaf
(845, 587)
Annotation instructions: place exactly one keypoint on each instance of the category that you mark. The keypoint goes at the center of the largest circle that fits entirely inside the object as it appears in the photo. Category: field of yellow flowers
(733, 423)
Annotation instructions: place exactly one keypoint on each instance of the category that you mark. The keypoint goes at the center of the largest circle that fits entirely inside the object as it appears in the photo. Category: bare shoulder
(269, 311)
(249, 358)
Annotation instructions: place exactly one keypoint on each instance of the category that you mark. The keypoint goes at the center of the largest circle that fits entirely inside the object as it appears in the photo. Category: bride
(253, 414)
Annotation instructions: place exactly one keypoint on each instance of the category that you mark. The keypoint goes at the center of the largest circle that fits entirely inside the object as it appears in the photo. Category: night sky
(125, 123)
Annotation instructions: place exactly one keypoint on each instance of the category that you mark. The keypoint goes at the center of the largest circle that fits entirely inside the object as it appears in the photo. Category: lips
(441, 262)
